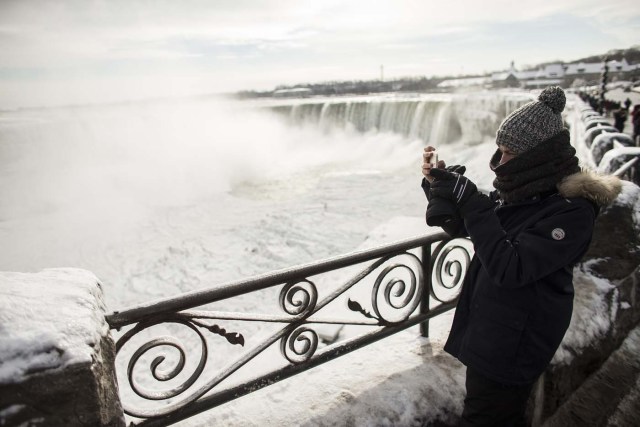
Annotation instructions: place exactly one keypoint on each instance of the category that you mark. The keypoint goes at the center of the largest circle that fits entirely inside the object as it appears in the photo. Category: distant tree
(424, 84)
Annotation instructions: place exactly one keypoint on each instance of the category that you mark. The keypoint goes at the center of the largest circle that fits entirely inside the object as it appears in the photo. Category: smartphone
(434, 159)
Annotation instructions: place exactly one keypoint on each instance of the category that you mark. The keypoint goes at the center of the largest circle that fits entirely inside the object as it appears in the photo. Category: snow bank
(48, 320)
(402, 380)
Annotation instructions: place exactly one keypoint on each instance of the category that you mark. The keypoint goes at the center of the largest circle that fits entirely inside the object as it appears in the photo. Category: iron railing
(393, 276)
(625, 170)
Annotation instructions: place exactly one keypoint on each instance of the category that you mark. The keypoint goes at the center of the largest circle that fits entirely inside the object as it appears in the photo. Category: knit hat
(534, 122)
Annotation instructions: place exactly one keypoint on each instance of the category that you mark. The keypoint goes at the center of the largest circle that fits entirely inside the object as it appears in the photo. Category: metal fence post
(426, 292)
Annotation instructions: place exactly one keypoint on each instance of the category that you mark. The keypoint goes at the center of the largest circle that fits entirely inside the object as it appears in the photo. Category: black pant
(489, 403)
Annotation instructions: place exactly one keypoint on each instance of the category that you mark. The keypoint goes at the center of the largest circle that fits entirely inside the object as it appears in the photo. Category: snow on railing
(612, 151)
(625, 167)
(391, 289)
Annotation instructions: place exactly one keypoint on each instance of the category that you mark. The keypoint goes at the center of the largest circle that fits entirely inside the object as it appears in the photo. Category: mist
(108, 160)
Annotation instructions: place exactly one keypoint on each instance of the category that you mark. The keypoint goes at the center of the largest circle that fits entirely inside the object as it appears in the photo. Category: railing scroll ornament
(396, 279)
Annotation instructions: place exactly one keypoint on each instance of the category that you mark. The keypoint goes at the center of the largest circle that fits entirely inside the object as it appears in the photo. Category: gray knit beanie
(534, 122)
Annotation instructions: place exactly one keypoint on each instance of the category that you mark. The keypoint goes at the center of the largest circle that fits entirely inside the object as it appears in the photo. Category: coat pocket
(495, 332)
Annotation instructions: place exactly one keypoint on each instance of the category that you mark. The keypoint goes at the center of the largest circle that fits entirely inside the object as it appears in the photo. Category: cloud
(76, 29)
(236, 40)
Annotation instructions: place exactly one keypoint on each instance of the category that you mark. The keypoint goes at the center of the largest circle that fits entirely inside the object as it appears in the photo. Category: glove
(459, 189)
(456, 169)
(441, 211)
(452, 185)
(426, 185)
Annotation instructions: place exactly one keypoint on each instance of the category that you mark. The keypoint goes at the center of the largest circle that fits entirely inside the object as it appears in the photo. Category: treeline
(354, 87)
(412, 84)
(632, 55)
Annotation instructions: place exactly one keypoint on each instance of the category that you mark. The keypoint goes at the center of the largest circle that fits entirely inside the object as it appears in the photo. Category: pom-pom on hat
(534, 122)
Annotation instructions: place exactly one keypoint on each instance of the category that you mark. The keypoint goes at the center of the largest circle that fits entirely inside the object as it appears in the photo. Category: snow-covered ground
(166, 198)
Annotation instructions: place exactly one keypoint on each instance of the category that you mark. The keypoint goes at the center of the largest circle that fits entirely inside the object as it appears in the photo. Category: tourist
(516, 300)
(619, 118)
(635, 121)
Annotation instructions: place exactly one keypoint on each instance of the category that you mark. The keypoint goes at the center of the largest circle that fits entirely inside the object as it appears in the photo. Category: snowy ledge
(56, 354)
(49, 320)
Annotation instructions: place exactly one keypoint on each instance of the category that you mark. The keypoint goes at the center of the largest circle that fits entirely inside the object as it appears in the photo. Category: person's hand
(452, 185)
(441, 211)
(427, 163)
(426, 184)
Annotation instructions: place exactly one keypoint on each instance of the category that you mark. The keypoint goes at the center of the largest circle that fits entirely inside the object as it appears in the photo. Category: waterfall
(177, 152)
(430, 118)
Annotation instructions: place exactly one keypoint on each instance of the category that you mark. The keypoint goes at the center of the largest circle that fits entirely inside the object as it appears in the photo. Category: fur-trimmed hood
(600, 189)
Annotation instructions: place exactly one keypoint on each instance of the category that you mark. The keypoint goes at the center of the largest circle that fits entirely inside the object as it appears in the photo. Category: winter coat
(517, 297)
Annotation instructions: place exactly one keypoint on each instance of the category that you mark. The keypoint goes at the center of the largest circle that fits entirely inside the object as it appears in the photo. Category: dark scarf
(535, 171)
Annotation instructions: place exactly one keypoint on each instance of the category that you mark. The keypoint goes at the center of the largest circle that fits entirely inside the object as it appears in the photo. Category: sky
(90, 51)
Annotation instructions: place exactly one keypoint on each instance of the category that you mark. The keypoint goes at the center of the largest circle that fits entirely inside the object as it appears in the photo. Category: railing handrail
(218, 398)
(625, 167)
(403, 285)
(199, 297)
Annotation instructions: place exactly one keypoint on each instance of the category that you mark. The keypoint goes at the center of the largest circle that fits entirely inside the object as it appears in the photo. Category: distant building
(562, 74)
(581, 69)
(509, 78)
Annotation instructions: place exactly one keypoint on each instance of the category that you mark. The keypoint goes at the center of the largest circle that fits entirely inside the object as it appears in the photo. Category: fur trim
(600, 189)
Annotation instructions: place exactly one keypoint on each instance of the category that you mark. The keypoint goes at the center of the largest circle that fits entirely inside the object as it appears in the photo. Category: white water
(470, 118)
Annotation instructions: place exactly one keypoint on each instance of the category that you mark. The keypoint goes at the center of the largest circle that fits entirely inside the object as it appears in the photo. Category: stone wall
(56, 354)
(561, 380)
